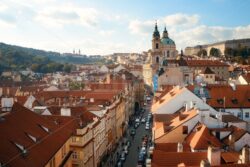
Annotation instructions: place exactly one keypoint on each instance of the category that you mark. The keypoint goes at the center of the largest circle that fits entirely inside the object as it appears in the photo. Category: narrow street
(132, 157)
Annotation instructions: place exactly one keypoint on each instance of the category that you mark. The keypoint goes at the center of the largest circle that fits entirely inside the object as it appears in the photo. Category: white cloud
(3, 7)
(185, 30)
(141, 27)
(180, 19)
(67, 14)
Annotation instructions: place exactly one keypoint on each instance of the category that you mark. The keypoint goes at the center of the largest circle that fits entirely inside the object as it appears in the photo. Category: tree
(202, 53)
(215, 52)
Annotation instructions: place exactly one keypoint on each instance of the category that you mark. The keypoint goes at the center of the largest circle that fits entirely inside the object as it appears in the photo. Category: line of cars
(123, 154)
(149, 120)
(143, 152)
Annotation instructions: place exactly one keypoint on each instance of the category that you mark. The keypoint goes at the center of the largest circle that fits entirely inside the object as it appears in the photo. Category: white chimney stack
(214, 156)
(180, 147)
(245, 155)
(204, 163)
(65, 112)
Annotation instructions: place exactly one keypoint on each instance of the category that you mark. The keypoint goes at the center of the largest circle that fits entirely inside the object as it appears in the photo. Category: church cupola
(156, 33)
(165, 33)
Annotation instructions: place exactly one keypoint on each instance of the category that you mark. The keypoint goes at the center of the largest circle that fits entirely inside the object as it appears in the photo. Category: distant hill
(17, 58)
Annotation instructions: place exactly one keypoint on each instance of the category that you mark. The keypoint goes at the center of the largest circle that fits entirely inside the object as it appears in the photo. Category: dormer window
(44, 128)
(21, 148)
(235, 101)
(220, 101)
(31, 137)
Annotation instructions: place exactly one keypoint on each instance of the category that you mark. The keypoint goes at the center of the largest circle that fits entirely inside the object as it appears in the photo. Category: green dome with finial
(165, 39)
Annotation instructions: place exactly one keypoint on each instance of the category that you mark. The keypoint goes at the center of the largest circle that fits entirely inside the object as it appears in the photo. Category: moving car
(143, 120)
(132, 132)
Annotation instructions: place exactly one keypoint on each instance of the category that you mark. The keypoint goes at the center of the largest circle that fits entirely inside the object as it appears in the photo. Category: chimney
(214, 156)
(204, 163)
(108, 78)
(186, 106)
(179, 147)
(245, 155)
(191, 104)
(233, 86)
(65, 111)
(231, 142)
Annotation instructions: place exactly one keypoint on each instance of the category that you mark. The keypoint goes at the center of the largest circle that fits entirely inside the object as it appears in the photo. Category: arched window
(168, 53)
(157, 59)
(157, 46)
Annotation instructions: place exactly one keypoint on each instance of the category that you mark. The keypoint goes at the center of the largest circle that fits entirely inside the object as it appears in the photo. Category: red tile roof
(21, 122)
(167, 159)
(236, 132)
(238, 98)
(171, 147)
(230, 157)
(201, 138)
(206, 63)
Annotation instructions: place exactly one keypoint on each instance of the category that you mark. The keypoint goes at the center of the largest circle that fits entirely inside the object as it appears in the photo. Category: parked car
(132, 132)
(141, 159)
(147, 127)
(143, 120)
(137, 125)
(128, 143)
(123, 156)
(119, 164)
(137, 120)
(143, 150)
(125, 149)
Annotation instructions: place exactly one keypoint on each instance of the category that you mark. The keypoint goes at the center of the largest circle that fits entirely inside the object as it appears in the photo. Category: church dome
(167, 41)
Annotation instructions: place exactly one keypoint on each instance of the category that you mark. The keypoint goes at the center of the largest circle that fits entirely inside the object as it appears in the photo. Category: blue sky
(108, 26)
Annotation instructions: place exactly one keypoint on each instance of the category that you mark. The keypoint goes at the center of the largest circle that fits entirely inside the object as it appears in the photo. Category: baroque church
(164, 66)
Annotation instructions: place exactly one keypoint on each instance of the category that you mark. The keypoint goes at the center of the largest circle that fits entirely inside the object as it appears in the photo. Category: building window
(157, 59)
(239, 115)
(156, 45)
(63, 151)
(52, 163)
(185, 130)
(246, 114)
(168, 53)
(75, 155)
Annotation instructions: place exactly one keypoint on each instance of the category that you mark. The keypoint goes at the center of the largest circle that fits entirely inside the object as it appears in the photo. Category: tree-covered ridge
(19, 58)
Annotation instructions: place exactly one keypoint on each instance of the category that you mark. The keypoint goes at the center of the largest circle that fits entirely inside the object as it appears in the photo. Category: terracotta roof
(206, 63)
(179, 120)
(201, 138)
(110, 86)
(231, 118)
(76, 112)
(167, 159)
(16, 128)
(230, 157)
(236, 132)
(183, 117)
(238, 98)
(166, 97)
(171, 147)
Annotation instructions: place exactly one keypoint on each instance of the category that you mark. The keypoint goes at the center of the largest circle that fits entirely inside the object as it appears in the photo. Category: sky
(108, 26)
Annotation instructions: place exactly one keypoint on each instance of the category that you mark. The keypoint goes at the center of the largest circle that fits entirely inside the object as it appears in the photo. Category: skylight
(44, 128)
(32, 137)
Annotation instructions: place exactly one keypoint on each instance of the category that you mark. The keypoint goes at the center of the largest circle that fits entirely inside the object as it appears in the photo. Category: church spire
(156, 33)
(165, 33)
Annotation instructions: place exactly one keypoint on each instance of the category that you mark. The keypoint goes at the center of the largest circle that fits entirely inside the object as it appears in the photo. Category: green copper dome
(167, 41)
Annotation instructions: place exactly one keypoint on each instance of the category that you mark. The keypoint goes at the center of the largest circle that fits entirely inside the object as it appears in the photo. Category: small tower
(165, 33)
(156, 39)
